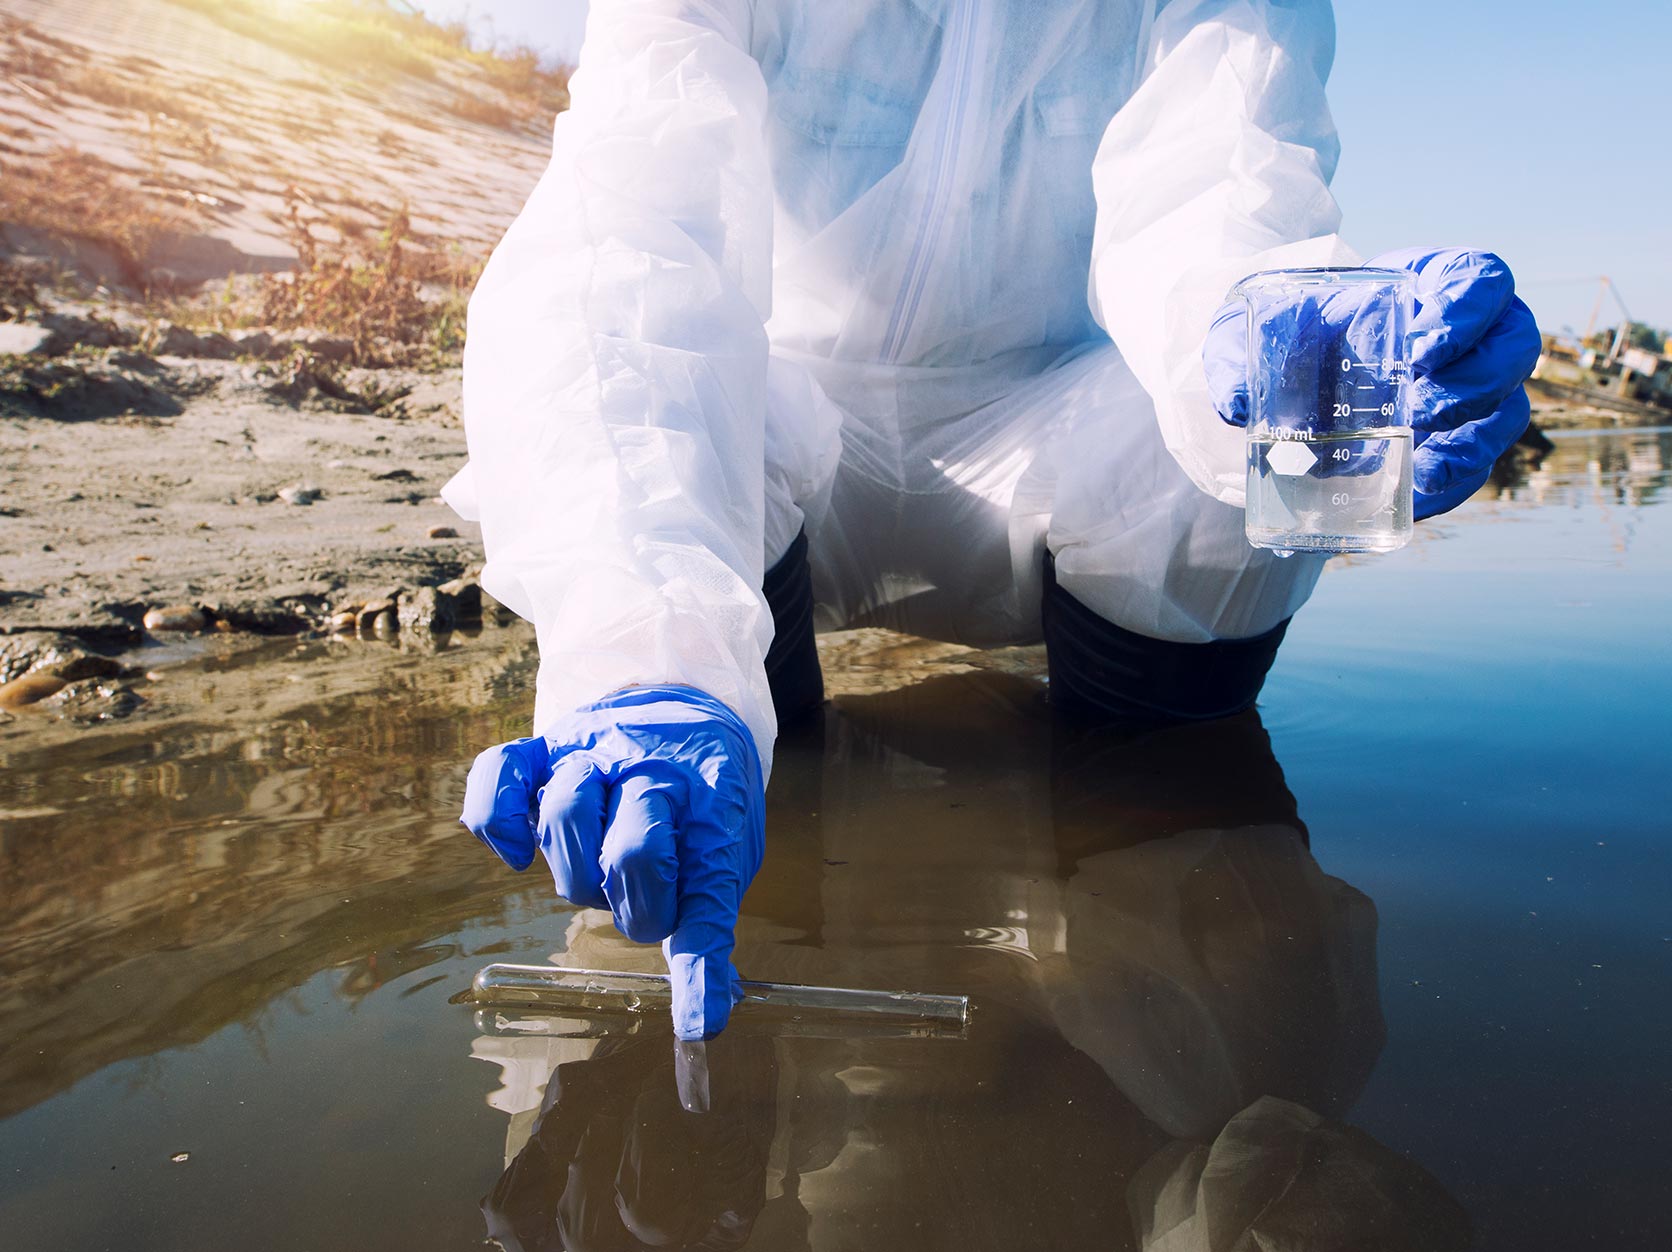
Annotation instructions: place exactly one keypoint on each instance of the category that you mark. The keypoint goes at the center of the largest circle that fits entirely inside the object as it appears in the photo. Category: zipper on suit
(964, 41)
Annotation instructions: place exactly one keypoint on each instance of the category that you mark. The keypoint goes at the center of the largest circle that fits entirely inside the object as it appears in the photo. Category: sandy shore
(168, 445)
(227, 503)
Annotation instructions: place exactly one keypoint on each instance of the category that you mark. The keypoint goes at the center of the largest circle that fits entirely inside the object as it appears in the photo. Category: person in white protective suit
(906, 299)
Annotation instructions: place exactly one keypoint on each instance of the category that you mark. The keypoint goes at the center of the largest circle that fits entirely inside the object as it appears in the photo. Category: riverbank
(235, 246)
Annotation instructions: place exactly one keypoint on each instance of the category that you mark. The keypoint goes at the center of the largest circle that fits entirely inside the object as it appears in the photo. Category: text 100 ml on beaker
(1346, 492)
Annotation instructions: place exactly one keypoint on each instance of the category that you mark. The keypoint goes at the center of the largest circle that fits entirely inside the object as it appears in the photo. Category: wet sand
(238, 497)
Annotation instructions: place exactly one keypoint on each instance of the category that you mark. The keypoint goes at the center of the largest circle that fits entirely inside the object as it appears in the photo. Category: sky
(1537, 129)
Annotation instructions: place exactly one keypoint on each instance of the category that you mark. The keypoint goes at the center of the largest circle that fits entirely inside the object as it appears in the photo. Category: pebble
(371, 611)
(22, 339)
(175, 617)
(254, 343)
(427, 609)
(29, 689)
(299, 494)
(384, 624)
(344, 621)
(442, 532)
(87, 665)
(466, 595)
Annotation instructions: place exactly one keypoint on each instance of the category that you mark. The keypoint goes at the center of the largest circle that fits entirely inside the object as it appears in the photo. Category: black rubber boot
(1102, 672)
(792, 663)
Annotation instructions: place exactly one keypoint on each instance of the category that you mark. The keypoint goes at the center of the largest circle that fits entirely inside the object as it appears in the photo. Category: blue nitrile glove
(1473, 343)
(649, 803)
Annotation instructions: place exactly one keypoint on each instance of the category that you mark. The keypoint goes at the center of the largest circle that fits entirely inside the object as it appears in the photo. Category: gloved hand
(1473, 343)
(649, 803)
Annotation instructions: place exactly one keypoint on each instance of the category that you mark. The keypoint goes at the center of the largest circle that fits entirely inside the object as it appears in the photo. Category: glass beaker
(1329, 425)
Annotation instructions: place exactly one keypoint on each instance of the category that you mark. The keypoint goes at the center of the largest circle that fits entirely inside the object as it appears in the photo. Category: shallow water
(1423, 894)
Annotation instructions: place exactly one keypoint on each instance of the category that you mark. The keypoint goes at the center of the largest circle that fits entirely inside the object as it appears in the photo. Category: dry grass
(121, 93)
(357, 36)
(73, 196)
(474, 108)
(362, 291)
(361, 274)
(373, 37)
(19, 292)
(538, 91)
(393, 303)
(29, 56)
(14, 27)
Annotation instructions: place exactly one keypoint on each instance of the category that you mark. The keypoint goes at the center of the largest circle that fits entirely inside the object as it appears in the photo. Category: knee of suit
(1138, 543)
(1102, 672)
(792, 662)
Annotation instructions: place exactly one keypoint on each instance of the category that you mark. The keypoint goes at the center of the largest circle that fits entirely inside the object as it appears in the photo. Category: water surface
(1393, 954)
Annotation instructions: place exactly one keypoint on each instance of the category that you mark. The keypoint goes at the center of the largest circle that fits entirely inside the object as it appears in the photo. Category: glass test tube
(591, 990)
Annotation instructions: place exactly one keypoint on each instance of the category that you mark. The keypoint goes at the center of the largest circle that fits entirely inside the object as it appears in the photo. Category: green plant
(1642, 335)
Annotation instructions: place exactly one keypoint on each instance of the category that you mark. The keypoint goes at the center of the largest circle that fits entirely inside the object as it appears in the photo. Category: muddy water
(1389, 961)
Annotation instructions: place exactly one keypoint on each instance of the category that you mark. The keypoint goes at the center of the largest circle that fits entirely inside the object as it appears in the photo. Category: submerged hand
(1473, 343)
(650, 803)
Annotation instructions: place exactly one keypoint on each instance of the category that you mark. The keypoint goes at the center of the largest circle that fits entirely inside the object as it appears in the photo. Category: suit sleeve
(1217, 166)
(615, 371)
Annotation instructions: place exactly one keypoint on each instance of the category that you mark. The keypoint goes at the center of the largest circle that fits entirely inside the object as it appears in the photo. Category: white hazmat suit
(927, 278)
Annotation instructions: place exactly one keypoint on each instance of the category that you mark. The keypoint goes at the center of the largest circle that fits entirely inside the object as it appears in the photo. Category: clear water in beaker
(1329, 433)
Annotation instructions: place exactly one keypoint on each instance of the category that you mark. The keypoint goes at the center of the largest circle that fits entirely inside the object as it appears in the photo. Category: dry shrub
(356, 36)
(375, 37)
(73, 196)
(19, 293)
(369, 292)
(473, 108)
(539, 90)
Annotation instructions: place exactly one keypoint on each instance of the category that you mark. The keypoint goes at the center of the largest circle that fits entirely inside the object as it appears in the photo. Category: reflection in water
(1210, 962)
(163, 882)
(232, 932)
(1176, 1010)
(616, 1159)
(1280, 1178)
(1624, 467)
